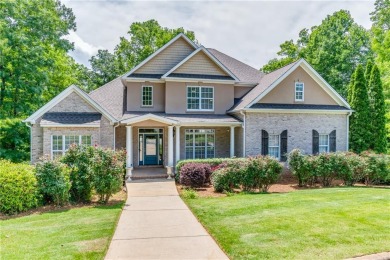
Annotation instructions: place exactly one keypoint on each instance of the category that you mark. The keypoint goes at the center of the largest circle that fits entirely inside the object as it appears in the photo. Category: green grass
(333, 223)
(78, 233)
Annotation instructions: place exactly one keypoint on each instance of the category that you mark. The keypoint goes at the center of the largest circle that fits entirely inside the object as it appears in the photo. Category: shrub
(326, 168)
(53, 181)
(107, 167)
(227, 175)
(79, 159)
(377, 168)
(352, 168)
(189, 194)
(18, 187)
(194, 174)
(301, 166)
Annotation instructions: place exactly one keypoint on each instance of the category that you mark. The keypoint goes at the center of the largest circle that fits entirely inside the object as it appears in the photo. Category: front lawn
(333, 223)
(77, 233)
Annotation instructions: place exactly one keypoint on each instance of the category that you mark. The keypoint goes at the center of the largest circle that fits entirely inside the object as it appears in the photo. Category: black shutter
(332, 141)
(264, 142)
(316, 142)
(283, 146)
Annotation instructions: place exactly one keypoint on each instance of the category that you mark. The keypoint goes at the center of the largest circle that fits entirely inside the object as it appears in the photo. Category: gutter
(30, 126)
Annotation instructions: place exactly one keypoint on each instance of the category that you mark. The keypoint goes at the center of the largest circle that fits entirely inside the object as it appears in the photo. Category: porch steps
(143, 177)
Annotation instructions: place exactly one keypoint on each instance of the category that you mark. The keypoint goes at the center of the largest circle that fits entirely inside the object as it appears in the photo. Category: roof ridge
(235, 59)
(293, 62)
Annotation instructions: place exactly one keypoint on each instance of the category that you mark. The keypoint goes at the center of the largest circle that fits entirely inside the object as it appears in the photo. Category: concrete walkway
(156, 224)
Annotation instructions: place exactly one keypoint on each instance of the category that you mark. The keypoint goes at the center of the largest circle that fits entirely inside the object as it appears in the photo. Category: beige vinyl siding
(284, 93)
(168, 58)
(200, 63)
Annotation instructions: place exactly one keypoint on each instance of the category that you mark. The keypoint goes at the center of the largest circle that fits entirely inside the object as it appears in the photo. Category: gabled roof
(208, 54)
(180, 35)
(111, 96)
(71, 89)
(150, 116)
(271, 80)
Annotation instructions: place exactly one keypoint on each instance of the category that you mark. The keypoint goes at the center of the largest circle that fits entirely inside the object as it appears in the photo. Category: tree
(33, 53)
(360, 135)
(334, 49)
(143, 39)
(367, 73)
(378, 112)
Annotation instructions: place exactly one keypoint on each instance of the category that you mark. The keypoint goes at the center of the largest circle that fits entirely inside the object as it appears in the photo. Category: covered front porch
(161, 140)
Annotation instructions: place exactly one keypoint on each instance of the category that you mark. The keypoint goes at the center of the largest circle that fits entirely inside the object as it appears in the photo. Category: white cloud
(248, 31)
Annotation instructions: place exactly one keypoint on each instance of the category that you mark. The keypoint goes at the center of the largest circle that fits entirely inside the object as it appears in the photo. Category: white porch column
(177, 128)
(170, 152)
(232, 141)
(129, 150)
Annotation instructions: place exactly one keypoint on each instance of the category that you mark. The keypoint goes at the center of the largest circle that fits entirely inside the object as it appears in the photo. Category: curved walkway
(156, 224)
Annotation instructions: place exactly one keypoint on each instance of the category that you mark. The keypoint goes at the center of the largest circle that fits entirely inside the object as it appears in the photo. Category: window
(200, 98)
(200, 143)
(299, 89)
(147, 96)
(323, 144)
(60, 143)
(274, 146)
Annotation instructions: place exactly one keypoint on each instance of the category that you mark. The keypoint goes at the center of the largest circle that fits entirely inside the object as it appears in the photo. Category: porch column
(170, 146)
(177, 143)
(129, 151)
(232, 141)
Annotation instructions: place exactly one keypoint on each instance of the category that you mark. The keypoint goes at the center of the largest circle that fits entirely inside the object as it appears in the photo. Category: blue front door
(151, 149)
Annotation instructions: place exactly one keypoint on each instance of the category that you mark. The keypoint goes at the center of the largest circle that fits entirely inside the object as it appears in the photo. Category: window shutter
(332, 141)
(316, 142)
(283, 146)
(264, 142)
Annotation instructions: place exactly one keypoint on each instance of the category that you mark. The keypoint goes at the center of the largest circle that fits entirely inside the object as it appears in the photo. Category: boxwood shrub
(18, 187)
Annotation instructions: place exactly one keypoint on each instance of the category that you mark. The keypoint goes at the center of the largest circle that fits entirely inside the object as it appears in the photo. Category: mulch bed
(115, 199)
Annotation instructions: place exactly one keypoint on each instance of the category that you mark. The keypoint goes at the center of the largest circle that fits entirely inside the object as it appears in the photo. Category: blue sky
(250, 31)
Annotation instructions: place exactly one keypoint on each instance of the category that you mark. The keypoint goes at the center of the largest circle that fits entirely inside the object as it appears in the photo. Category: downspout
(244, 133)
(30, 126)
(349, 114)
(115, 126)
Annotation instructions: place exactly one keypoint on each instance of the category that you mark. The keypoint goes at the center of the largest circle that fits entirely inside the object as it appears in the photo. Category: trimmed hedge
(349, 167)
(194, 174)
(18, 187)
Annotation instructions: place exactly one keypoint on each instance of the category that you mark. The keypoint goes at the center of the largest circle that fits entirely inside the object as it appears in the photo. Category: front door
(151, 149)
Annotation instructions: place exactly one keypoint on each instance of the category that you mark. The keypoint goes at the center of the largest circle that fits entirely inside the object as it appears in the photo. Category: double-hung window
(147, 96)
(60, 143)
(323, 143)
(299, 91)
(200, 98)
(200, 143)
(274, 146)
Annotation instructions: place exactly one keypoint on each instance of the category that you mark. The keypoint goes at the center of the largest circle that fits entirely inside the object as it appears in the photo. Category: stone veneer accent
(299, 128)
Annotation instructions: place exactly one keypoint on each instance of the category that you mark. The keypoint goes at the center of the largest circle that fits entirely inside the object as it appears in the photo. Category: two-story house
(187, 101)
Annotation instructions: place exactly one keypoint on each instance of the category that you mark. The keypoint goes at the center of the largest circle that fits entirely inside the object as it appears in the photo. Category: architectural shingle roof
(145, 75)
(111, 96)
(297, 106)
(199, 76)
(63, 118)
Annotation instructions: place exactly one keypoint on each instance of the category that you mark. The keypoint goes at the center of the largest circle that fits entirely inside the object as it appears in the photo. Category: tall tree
(143, 39)
(367, 73)
(378, 112)
(32, 52)
(334, 48)
(360, 135)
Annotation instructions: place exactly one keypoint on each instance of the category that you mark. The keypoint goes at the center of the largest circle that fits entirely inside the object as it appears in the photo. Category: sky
(250, 31)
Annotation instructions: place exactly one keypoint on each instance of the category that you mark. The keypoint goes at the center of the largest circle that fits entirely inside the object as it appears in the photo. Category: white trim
(149, 117)
(193, 142)
(180, 35)
(174, 79)
(142, 95)
(63, 142)
(296, 111)
(31, 119)
(314, 74)
(142, 80)
(65, 125)
(157, 133)
(279, 146)
(327, 146)
(210, 124)
(205, 51)
(303, 91)
(200, 99)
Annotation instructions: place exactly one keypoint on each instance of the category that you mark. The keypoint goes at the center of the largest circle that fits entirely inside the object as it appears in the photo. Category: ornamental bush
(225, 179)
(107, 172)
(79, 159)
(53, 181)
(194, 174)
(303, 167)
(377, 168)
(18, 187)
